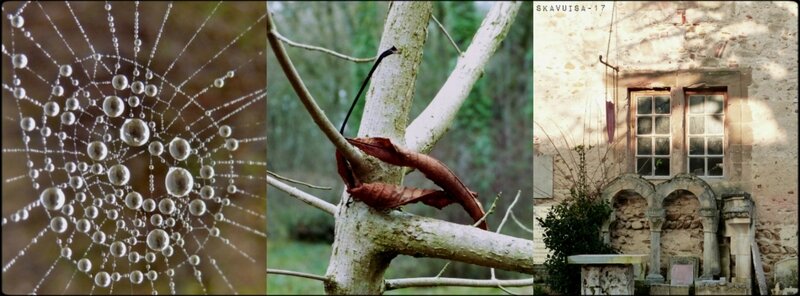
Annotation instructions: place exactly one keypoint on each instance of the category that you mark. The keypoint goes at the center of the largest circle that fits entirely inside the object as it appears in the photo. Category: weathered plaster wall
(570, 90)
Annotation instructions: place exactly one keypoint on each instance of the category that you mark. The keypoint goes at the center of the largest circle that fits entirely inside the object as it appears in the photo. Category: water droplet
(83, 225)
(137, 87)
(58, 224)
(148, 75)
(151, 90)
(136, 277)
(137, 42)
(68, 118)
(231, 189)
(52, 198)
(155, 148)
(84, 265)
(230, 74)
(219, 83)
(118, 249)
(97, 56)
(225, 131)
(19, 92)
(152, 276)
(133, 200)
(207, 192)
(197, 207)
(118, 175)
(57, 91)
(179, 148)
(113, 106)
(120, 82)
(134, 132)
(149, 205)
(45, 131)
(194, 260)
(207, 172)
(98, 168)
(19, 60)
(214, 231)
(231, 144)
(157, 239)
(72, 104)
(179, 182)
(134, 101)
(96, 150)
(156, 220)
(66, 252)
(17, 21)
(76, 182)
(65, 70)
(27, 124)
(99, 237)
(134, 257)
(102, 279)
(51, 109)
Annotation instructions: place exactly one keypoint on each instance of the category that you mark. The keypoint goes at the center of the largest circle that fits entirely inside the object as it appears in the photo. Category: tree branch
(298, 182)
(459, 282)
(303, 196)
(296, 273)
(321, 49)
(418, 236)
(441, 27)
(350, 153)
(438, 116)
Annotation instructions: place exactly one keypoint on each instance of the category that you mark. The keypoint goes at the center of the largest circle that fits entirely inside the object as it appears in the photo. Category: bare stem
(350, 153)
(394, 284)
(298, 182)
(321, 49)
(296, 273)
(303, 196)
(441, 27)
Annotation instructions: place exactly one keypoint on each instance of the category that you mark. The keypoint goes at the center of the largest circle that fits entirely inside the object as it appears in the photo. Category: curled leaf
(388, 196)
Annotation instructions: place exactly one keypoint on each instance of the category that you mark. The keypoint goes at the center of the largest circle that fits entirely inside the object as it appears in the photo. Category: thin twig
(322, 49)
(509, 211)
(298, 182)
(443, 268)
(296, 273)
(491, 209)
(441, 27)
(514, 217)
(394, 284)
(350, 153)
(303, 196)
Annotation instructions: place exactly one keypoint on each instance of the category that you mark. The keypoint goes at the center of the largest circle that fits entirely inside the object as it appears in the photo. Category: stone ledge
(606, 259)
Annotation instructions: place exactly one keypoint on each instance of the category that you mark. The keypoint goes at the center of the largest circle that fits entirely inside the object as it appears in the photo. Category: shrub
(571, 228)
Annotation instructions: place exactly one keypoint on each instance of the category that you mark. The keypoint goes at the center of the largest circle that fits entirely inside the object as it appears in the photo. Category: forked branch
(438, 116)
(302, 196)
(350, 153)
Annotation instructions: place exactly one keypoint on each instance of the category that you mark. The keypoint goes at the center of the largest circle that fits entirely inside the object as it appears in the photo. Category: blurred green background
(231, 19)
(489, 146)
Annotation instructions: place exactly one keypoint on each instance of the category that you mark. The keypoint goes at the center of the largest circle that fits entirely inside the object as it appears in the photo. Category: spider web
(195, 71)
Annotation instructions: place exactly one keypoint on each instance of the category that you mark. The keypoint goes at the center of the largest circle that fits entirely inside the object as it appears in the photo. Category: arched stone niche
(655, 213)
(708, 212)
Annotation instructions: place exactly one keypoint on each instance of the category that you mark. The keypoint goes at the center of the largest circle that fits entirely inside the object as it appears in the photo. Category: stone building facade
(704, 106)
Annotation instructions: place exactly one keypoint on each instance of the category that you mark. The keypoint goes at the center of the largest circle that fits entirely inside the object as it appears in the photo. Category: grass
(313, 258)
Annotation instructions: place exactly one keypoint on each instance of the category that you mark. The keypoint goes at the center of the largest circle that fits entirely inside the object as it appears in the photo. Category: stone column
(710, 246)
(737, 226)
(656, 217)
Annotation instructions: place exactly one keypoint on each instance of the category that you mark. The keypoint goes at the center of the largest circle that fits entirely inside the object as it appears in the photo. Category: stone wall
(757, 39)
(682, 232)
(630, 233)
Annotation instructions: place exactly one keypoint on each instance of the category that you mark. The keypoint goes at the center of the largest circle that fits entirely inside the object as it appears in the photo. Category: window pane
(696, 104)
(644, 105)
(662, 125)
(714, 124)
(696, 125)
(714, 104)
(697, 166)
(715, 166)
(643, 166)
(715, 145)
(696, 146)
(644, 146)
(644, 125)
(662, 105)
(662, 166)
(662, 146)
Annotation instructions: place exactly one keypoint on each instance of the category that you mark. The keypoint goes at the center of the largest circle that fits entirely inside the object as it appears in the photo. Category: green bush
(572, 228)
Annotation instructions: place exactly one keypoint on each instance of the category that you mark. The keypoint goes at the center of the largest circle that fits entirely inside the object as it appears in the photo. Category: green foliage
(572, 228)
(316, 227)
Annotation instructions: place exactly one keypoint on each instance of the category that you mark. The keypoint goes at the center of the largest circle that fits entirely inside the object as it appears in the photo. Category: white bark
(302, 196)
(438, 116)
(357, 262)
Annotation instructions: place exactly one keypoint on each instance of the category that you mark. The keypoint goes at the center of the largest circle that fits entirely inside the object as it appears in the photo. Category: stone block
(721, 287)
(659, 289)
(607, 280)
(679, 289)
(683, 270)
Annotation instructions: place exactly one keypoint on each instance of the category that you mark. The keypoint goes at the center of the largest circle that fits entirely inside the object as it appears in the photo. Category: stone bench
(609, 274)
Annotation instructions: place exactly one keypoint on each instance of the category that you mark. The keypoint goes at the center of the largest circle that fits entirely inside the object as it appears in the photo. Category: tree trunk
(357, 262)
